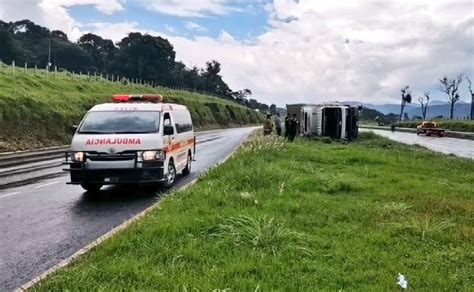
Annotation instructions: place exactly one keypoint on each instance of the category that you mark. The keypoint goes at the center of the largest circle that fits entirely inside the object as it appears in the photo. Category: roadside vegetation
(461, 126)
(38, 110)
(311, 215)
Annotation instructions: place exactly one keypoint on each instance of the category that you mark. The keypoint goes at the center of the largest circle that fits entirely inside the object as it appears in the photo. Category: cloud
(195, 26)
(54, 14)
(341, 50)
(170, 28)
(103, 6)
(201, 8)
(113, 31)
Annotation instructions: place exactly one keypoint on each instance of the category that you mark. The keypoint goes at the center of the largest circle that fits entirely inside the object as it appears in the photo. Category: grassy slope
(316, 215)
(462, 126)
(37, 111)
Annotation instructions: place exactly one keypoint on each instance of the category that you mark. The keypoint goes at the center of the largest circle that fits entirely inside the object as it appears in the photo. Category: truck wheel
(91, 188)
(187, 169)
(170, 176)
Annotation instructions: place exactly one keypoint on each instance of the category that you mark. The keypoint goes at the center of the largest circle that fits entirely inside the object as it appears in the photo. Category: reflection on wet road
(458, 147)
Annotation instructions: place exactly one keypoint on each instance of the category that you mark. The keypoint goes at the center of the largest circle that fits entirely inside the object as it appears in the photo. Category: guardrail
(452, 134)
(11, 159)
(18, 168)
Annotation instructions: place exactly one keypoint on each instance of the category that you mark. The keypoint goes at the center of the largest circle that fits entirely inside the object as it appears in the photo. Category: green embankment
(308, 216)
(38, 110)
(461, 126)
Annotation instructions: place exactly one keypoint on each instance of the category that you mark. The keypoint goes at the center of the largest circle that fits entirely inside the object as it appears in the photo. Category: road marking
(10, 194)
(45, 185)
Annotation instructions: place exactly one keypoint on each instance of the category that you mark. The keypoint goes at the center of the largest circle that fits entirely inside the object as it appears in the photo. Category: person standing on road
(268, 125)
(287, 125)
(278, 124)
(293, 127)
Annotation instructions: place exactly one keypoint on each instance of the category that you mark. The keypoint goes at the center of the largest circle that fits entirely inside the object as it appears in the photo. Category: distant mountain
(435, 108)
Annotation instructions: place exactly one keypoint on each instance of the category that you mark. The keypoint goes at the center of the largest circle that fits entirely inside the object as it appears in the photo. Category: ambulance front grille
(100, 156)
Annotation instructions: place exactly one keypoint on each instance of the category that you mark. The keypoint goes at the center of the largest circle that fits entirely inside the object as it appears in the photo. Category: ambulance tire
(187, 169)
(91, 188)
(170, 176)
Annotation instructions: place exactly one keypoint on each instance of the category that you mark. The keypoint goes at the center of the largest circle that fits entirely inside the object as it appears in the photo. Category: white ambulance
(136, 139)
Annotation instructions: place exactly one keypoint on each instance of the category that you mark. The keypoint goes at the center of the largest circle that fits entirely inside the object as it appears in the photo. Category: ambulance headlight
(78, 156)
(153, 155)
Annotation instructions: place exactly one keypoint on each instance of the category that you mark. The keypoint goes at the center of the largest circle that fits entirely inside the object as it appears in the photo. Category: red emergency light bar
(137, 97)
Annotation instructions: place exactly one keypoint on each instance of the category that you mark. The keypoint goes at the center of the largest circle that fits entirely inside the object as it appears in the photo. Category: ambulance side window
(167, 119)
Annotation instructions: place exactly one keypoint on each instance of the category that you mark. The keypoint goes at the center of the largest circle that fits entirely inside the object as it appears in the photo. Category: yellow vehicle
(430, 128)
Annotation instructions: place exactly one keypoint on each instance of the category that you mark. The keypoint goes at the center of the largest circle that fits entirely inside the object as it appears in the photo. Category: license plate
(111, 179)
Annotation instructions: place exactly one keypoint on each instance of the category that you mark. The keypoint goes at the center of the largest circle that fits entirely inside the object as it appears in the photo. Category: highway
(47, 221)
(458, 147)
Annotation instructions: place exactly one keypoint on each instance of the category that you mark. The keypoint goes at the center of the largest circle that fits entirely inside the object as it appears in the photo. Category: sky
(289, 51)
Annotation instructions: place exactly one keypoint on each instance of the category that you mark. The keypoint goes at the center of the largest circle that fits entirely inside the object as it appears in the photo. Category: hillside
(37, 110)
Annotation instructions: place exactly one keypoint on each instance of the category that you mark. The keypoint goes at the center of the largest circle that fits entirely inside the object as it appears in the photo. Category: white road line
(45, 185)
(10, 194)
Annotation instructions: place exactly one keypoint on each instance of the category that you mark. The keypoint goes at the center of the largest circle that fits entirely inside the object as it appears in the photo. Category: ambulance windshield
(121, 122)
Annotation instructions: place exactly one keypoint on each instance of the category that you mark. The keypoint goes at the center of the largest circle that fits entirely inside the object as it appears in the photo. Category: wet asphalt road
(46, 222)
(458, 147)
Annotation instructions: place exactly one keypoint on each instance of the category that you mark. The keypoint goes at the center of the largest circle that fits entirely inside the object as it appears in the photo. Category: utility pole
(49, 55)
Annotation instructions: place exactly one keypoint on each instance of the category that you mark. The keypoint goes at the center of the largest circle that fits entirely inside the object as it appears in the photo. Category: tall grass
(303, 216)
(37, 110)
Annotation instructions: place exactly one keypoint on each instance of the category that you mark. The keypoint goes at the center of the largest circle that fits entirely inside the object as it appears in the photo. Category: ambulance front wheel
(170, 176)
(91, 188)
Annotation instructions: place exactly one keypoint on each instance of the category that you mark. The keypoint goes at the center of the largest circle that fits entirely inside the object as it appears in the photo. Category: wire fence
(59, 73)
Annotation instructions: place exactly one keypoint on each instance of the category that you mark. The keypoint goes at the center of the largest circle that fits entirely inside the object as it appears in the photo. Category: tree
(70, 56)
(101, 50)
(424, 104)
(406, 117)
(451, 87)
(406, 98)
(472, 97)
(57, 34)
(241, 96)
(213, 80)
(273, 109)
(7, 52)
(145, 57)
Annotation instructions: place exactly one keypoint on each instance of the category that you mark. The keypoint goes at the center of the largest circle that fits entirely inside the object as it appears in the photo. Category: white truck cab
(136, 139)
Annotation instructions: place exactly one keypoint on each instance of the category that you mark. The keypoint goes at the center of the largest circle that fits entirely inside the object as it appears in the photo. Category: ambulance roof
(137, 106)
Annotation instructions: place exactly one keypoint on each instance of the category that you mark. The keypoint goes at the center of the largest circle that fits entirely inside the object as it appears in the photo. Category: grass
(37, 110)
(303, 216)
(461, 126)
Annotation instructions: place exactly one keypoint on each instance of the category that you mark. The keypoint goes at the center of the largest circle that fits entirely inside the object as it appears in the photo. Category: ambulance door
(179, 120)
(169, 140)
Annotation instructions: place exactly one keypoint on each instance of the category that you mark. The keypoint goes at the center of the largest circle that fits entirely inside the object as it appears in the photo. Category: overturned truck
(336, 121)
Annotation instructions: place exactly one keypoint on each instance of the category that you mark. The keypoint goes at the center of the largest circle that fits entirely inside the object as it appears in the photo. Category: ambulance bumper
(152, 174)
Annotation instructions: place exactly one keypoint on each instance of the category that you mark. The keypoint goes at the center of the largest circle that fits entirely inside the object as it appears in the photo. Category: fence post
(80, 74)
(36, 69)
(13, 67)
(26, 66)
(1, 63)
(95, 75)
(55, 71)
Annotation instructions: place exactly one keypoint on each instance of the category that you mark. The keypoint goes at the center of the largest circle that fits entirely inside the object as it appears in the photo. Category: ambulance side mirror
(168, 130)
(74, 129)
